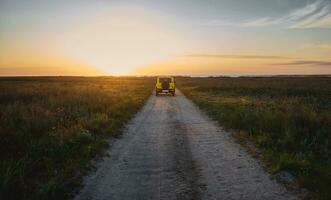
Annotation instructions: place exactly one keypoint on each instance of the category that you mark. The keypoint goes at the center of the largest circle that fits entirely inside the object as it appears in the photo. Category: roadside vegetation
(50, 128)
(288, 118)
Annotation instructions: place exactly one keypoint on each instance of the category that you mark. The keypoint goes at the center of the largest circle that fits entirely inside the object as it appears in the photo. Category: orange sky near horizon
(228, 66)
(32, 62)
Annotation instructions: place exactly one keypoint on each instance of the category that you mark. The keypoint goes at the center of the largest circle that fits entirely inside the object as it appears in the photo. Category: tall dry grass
(51, 127)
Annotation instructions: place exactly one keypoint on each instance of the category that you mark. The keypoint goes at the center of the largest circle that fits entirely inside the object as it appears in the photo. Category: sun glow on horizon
(116, 41)
(112, 41)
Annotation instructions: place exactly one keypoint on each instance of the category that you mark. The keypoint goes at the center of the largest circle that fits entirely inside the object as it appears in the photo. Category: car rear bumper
(164, 90)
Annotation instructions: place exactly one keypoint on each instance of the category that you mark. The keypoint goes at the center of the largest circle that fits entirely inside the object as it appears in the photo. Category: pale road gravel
(172, 150)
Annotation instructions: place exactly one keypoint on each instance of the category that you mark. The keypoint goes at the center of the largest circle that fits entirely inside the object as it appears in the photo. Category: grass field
(51, 127)
(288, 118)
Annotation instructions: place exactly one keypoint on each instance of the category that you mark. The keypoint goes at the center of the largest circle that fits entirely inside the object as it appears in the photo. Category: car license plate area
(165, 90)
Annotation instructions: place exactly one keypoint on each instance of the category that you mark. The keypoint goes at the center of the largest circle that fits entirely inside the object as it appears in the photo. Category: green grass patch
(288, 118)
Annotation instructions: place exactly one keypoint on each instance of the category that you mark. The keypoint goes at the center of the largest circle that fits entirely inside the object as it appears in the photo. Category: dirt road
(171, 150)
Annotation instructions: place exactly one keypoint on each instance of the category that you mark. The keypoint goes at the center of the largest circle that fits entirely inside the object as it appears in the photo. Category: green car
(165, 84)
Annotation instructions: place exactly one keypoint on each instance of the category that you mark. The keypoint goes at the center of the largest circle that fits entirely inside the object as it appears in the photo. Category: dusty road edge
(92, 166)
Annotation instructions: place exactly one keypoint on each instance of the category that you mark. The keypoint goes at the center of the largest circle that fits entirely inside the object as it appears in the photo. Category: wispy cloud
(313, 15)
(287, 61)
(322, 46)
(302, 12)
(305, 62)
(317, 20)
(265, 21)
(204, 55)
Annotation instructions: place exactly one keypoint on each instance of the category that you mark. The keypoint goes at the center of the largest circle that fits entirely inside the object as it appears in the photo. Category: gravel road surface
(172, 150)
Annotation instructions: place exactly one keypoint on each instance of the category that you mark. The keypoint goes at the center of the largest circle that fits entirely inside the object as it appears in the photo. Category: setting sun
(116, 41)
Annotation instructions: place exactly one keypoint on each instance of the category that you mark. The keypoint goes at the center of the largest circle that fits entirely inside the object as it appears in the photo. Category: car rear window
(165, 79)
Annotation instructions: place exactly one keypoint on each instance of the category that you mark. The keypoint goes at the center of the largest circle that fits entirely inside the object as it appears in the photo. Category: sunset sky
(152, 37)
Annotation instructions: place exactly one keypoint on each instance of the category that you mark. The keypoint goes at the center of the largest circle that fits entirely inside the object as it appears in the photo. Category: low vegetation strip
(288, 118)
(51, 127)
